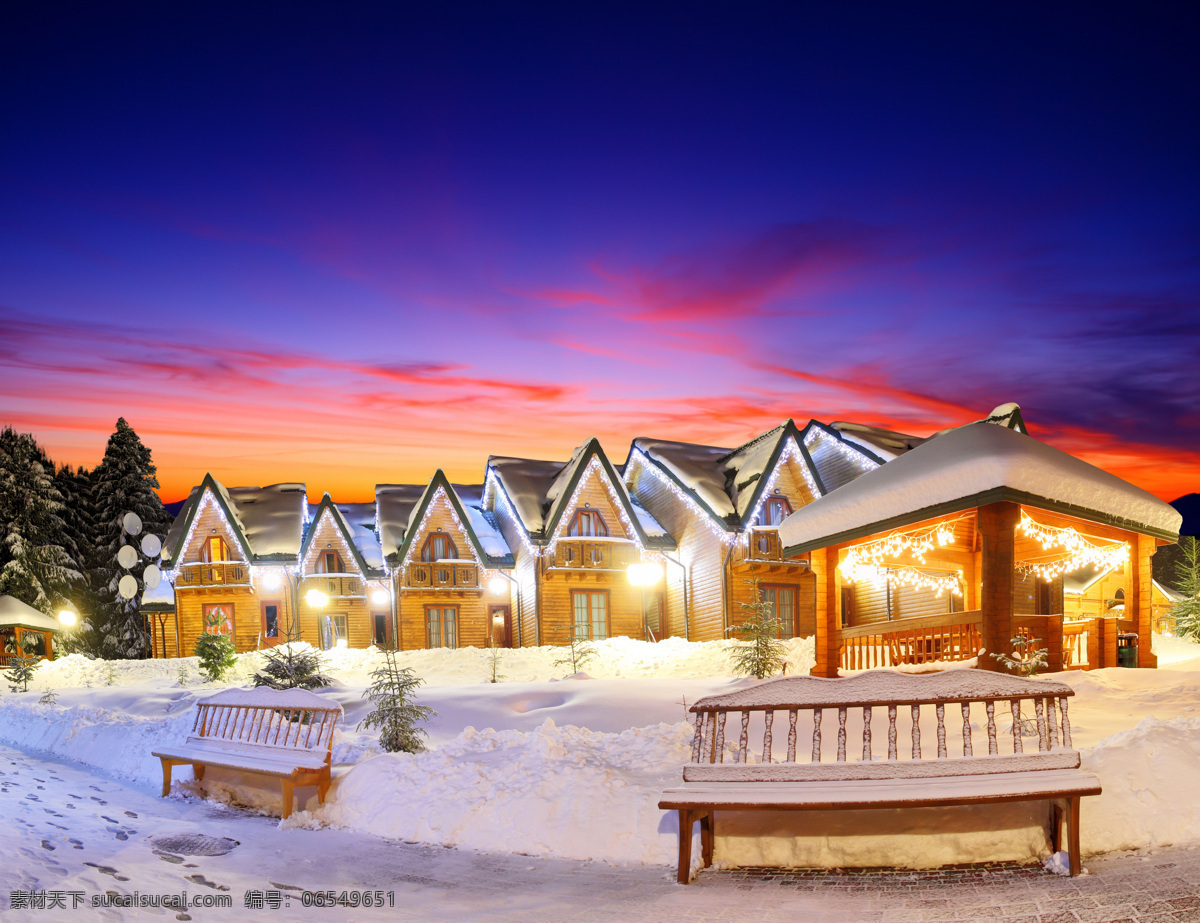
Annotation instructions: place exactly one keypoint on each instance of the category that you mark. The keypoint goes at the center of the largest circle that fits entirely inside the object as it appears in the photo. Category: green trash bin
(1127, 649)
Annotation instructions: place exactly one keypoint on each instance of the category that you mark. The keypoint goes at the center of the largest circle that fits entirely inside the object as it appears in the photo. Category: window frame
(206, 550)
(441, 609)
(323, 561)
(575, 526)
(591, 613)
(427, 554)
(231, 621)
(786, 631)
(765, 516)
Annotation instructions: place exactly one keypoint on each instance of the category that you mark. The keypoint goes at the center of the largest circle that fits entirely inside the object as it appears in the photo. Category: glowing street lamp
(67, 618)
(316, 599)
(645, 573)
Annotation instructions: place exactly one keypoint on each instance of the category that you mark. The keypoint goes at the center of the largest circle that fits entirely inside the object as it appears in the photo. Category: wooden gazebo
(20, 623)
(961, 544)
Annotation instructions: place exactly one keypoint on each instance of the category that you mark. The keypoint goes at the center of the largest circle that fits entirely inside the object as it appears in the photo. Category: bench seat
(266, 763)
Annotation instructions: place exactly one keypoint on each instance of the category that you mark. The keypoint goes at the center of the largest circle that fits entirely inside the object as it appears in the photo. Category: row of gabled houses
(678, 540)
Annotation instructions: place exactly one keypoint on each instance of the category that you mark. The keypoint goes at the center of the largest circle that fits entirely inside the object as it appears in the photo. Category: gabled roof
(14, 613)
(540, 492)
(267, 522)
(967, 467)
(360, 519)
(327, 506)
(728, 483)
(480, 526)
(886, 444)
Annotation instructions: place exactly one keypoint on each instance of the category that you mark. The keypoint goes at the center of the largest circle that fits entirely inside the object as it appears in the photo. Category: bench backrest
(276, 718)
(887, 704)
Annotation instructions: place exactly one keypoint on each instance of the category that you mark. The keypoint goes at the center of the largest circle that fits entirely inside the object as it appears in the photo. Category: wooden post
(1138, 599)
(1054, 643)
(1094, 646)
(828, 641)
(997, 527)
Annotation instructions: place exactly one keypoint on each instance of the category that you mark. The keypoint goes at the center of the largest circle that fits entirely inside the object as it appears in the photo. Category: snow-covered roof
(401, 506)
(541, 490)
(394, 504)
(1077, 582)
(483, 522)
(13, 612)
(696, 468)
(969, 466)
(360, 518)
(888, 444)
(270, 520)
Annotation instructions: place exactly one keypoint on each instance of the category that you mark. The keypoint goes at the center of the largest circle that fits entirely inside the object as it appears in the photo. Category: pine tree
(292, 666)
(577, 652)
(79, 541)
(123, 483)
(216, 654)
(1186, 612)
(761, 652)
(396, 713)
(34, 566)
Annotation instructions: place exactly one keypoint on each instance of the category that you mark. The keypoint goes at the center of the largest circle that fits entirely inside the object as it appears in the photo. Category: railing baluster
(966, 713)
(698, 737)
(1052, 737)
(720, 743)
(841, 757)
(891, 732)
(1066, 724)
(768, 720)
(916, 732)
(816, 740)
(1043, 737)
(1018, 744)
(866, 755)
(743, 740)
(991, 715)
(941, 729)
(791, 755)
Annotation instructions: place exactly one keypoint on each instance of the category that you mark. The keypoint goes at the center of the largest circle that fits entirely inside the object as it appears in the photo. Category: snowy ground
(533, 766)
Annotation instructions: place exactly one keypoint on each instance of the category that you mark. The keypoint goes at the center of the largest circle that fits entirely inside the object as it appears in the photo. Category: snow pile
(566, 792)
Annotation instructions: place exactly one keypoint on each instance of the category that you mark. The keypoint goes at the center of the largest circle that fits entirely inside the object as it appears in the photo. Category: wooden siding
(473, 622)
(247, 614)
(525, 594)
(835, 466)
(210, 524)
(594, 495)
(742, 592)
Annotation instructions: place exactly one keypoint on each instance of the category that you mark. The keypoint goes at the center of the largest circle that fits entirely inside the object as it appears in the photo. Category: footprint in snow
(167, 857)
(201, 880)
(78, 844)
(76, 797)
(49, 811)
(71, 806)
(59, 826)
(33, 797)
(100, 800)
(107, 870)
(46, 844)
(130, 814)
(111, 820)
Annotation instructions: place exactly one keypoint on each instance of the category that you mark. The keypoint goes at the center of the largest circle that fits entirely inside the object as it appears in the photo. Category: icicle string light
(1080, 551)
(206, 500)
(702, 514)
(941, 582)
(790, 451)
(348, 559)
(492, 487)
(440, 496)
(594, 468)
(815, 435)
(890, 547)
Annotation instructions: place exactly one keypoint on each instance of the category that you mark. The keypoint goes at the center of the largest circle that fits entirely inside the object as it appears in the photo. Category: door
(272, 623)
(500, 619)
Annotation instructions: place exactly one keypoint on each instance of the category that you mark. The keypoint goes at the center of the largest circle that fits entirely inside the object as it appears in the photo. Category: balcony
(591, 554)
(762, 544)
(443, 575)
(220, 573)
(335, 586)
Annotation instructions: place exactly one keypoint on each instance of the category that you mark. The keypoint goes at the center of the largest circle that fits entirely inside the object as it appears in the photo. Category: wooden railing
(443, 575)
(1075, 644)
(950, 637)
(333, 585)
(592, 554)
(219, 573)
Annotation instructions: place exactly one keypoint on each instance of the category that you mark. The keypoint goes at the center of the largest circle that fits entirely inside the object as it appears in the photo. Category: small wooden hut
(22, 626)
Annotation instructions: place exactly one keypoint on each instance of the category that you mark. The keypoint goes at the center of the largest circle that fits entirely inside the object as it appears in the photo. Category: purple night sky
(354, 244)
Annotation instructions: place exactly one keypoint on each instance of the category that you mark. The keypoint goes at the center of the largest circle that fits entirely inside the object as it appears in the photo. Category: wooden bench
(725, 775)
(284, 733)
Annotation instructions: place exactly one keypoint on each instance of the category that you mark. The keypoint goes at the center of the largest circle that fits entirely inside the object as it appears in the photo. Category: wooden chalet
(232, 557)
(588, 557)
(448, 565)
(724, 507)
(343, 593)
(1092, 593)
(157, 606)
(961, 543)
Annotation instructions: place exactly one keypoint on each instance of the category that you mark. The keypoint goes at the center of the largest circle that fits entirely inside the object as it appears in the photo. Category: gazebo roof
(15, 613)
(968, 467)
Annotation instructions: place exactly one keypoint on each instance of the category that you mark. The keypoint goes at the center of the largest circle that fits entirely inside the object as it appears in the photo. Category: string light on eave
(594, 467)
(1080, 551)
(939, 582)
(790, 451)
(917, 544)
(207, 499)
(700, 513)
(494, 488)
(440, 494)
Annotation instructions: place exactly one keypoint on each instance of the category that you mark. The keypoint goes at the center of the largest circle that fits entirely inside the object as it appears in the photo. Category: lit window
(591, 614)
(330, 562)
(775, 510)
(587, 523)
(438, 547)
(442, 622)
(215, 550)
(783, 607)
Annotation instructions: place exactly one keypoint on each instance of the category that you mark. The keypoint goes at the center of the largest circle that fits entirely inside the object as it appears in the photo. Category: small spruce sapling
(396, 713)
(577, 652)
(181, 675)
(1028, 660)
(494, 662)
(21, 667)
(49, 697)
(110, 673)
(290, 666)
(760, 653)
(217, 656)
(1186, 612)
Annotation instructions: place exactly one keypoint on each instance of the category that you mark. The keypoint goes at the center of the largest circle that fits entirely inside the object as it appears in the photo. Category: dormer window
(438, 547)
(775, 510)
(587, 523)
(215, 550)
(330, 562)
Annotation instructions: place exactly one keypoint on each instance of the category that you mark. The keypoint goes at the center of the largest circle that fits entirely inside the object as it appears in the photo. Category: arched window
(215, 550)
(775, 510)
(330, 562)
(587, 522)
(438, 547)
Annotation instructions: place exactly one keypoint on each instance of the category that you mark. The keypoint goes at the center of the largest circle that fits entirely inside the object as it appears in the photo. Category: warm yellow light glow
(380, 597)
(271, 579)
(316, 599)
(497, 586)
(646, 573)
(67, 617)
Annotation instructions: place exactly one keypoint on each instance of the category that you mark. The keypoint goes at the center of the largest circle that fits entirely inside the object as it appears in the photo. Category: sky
(350, 244)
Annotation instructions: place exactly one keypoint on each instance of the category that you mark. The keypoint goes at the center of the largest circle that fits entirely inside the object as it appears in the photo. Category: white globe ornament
(152, 576)
(151, 545)
(127, 556)
(128, 587)
(133, 523)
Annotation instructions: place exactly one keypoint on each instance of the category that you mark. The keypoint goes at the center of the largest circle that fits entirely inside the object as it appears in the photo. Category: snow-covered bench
(283, 733)
(889, 705)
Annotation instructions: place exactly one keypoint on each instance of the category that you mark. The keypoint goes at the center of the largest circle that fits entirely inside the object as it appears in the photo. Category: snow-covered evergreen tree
(34, 565)
(79, 541)
(1186, 612)
(123, 483)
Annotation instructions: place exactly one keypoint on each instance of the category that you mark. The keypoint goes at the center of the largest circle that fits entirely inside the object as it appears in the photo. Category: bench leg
(1057, 809)
(288, 797)
(1073, 849)
(166, 769)
(685, 845)
(707, 832)
(322, 789)
(198, 770)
